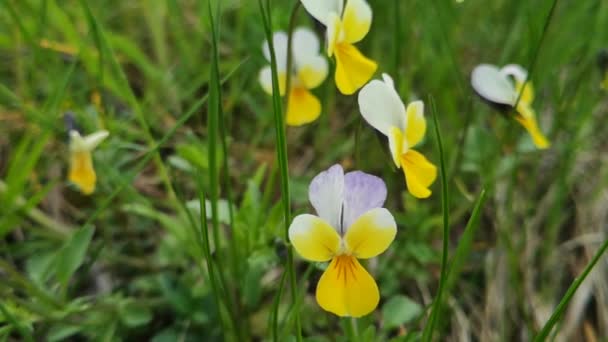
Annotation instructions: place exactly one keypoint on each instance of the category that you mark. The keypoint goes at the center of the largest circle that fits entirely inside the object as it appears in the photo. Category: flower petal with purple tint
(326, 194)
(362, 192)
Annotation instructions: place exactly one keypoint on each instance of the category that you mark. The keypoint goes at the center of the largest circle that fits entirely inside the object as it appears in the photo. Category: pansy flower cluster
(351, 223)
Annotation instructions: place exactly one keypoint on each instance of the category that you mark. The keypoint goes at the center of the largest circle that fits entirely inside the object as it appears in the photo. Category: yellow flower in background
(345, 27)
(383, 109)
(81, 164)
(351, 224)
(605, 82)
(309, 71)
(503, 87)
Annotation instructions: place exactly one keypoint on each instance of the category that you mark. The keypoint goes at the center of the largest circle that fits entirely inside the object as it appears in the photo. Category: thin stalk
(561, 307)
(430, 327)
(397, 43)
(537, 51)
(281, 146)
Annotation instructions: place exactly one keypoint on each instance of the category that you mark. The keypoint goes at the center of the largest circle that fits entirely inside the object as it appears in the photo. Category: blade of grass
(464, 244)
(281, 146)
(214, 112)
(23, 331)
(445, 203)
(532, 65)
(150, 153)
(215, 285)
(125, 89)
(561, 307)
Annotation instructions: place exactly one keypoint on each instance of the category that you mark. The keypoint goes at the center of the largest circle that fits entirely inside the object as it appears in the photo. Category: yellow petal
(527, 95)
(419, 173)
(356, 20)
(605, 82)
(313, 238)
(527, 118)
(416, 123)
(303, 107)
(81, 171)
(346, 289)
(371, 233)
(353, 69)
(395, 144)
(313, 72)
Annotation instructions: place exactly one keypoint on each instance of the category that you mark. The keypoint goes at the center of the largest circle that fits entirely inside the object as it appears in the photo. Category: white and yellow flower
(309, 71)
(503, 87)
(351, 224)
(346, 25)
(383, 109)
(82, 173)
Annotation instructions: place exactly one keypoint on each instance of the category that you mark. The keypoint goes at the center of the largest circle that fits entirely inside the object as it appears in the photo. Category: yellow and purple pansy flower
(383, 109)
(503, 87)
(309, 70)
(82, 173)
(351, 225)
(346, 25)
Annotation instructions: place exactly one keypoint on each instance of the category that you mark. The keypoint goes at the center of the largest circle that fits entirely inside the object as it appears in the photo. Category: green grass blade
(281, 147)
(561, 307)
(125, 89)
(25, 333)
(466, 240)
(445, 204)
(151, 152)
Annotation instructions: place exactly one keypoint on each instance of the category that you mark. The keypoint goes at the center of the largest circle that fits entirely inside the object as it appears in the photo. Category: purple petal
(326, 194)
(362, 192)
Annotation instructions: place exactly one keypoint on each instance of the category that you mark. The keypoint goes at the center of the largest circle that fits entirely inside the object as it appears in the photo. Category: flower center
(345, 267)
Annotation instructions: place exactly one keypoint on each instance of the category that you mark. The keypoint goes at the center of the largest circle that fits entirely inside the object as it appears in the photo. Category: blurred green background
(125, 263)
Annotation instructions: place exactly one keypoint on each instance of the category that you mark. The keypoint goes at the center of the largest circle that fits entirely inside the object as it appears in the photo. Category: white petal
(91, 141)
(381, 106)
(305, 45)
(388, 80)
(265, 79)
(488, 81)
(319, 9)
(326, 194)
(76, 141)
(279, 40)
(517, 71)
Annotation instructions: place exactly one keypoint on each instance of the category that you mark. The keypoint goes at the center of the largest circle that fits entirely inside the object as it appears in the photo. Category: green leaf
(61, 332)
(400, 310)
(133, 314)
(72, 254)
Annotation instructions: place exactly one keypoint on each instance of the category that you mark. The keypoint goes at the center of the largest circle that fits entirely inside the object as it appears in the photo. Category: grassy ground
(131, 261)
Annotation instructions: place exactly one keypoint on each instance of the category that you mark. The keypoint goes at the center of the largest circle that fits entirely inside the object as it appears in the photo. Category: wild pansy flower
(309, 71)
(345, 27)
(503, 87)
(383, 109)
(351, 225)
(81, 164)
